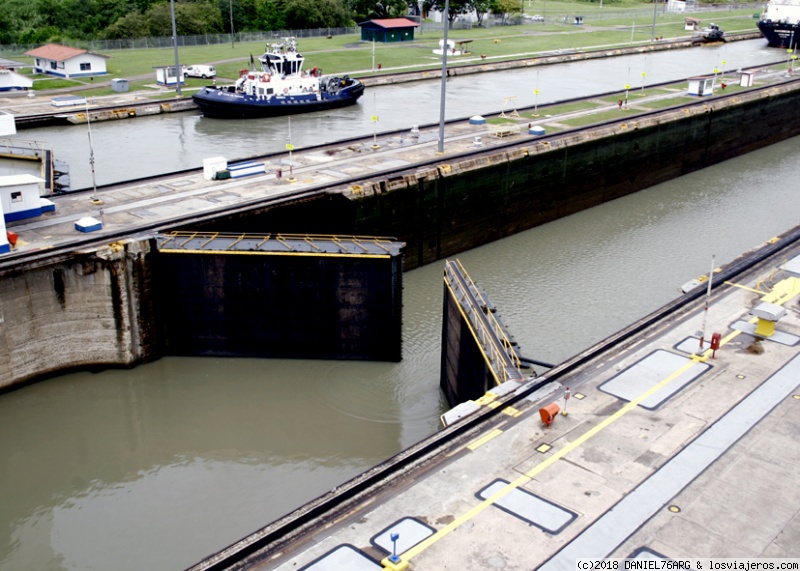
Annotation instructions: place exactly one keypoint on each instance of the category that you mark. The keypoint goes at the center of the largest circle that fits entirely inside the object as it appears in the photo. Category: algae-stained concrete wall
(442, 211)
(445, 209)
(85, 310)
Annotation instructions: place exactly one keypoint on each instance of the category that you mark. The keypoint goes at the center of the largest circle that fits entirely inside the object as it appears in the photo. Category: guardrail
(19, 149)
(497, 347)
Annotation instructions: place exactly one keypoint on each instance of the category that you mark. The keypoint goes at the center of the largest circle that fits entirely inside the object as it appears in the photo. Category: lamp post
(230, 7)
(290, 148)
(91, 151)
(655, 8)
(644, 75)
(175, 45)
(444, 76)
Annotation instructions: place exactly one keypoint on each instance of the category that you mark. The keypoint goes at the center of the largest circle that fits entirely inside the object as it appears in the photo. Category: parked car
(535, 18)
(204, 71)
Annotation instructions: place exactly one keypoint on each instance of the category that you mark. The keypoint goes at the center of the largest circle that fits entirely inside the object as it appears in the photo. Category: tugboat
(282, 87)
(712, 33)
(780, 23)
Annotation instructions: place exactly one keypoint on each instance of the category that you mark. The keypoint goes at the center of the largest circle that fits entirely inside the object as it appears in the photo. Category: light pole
(444, 75)
(230, 6)
(644, 75)
(175, 44)
(91, 151)
(655, 8)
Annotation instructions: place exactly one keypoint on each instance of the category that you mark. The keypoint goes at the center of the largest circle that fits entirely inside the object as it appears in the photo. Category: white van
(204, 71)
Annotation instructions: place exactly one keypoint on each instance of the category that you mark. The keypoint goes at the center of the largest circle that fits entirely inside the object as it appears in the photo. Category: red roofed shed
(388, 30)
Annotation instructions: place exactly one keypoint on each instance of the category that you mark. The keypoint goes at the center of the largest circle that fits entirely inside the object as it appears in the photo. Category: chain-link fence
(489, 20)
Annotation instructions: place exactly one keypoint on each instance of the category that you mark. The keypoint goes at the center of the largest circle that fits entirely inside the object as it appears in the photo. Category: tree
(190, 19)
(506, 8)
(481, 8)
(390, 9)
(133, 25)
(316, 14)
(270, 15)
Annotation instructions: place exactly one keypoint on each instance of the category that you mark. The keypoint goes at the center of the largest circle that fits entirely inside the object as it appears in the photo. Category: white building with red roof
(65, 61)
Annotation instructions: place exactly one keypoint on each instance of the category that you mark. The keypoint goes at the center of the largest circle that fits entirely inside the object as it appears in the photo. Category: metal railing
(497, 348)
(20, 149)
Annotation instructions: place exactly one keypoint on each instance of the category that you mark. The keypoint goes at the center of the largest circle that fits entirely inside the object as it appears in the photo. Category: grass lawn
(347, 54)
(598, 117)
(53, 83)
(664, 103)
(562, 108)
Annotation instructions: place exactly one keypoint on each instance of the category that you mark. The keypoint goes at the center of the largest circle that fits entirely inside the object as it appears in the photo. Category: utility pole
(175, 44)
(446, 16)
(230, 5)
(653, 34)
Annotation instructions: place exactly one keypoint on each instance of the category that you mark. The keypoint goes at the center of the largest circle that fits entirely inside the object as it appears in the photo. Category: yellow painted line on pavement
(484, 439)
(781, 293)
(528, 476)
(746, 288)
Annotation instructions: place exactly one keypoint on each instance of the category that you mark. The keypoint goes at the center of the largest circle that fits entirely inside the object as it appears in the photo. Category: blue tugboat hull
(222, 103)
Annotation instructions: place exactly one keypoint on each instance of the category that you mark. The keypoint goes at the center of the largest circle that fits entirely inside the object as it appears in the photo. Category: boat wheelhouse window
(270, 91)
(16, 196)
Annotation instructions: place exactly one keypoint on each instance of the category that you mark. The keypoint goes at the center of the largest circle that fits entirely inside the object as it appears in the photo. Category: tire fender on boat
(286, 90)
(265, 77)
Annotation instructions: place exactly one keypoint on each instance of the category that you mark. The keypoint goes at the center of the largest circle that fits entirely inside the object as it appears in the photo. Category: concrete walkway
(709, 471)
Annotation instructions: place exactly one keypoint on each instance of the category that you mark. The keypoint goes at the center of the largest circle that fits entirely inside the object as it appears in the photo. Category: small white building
(20, 196)
(165, 75)
(5, 247)
(691, 24)
(8, 124)
(13, 81)
(676, 6)
(702, 86)
(64, 61)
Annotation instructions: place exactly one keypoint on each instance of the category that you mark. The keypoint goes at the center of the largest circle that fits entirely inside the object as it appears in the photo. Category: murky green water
(156, 467)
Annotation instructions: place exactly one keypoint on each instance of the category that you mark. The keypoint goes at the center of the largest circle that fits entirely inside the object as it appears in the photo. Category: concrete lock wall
(84, 311)
(126, 303)
(441, 211)
(452, 207)
(95, 309)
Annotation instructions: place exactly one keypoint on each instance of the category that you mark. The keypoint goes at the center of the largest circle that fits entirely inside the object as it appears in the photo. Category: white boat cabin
(281, 74)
